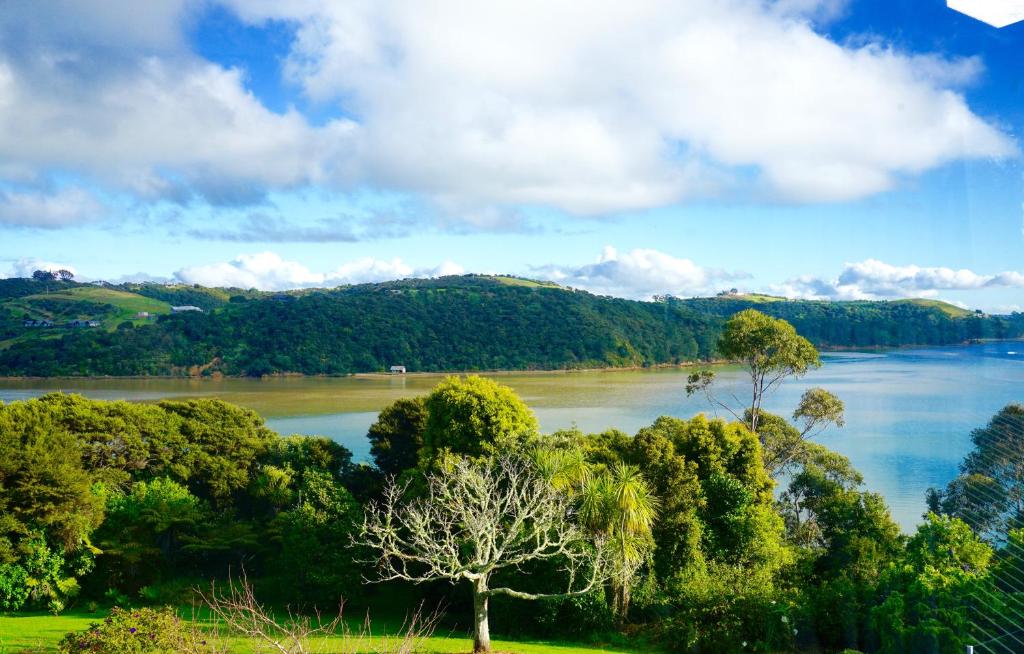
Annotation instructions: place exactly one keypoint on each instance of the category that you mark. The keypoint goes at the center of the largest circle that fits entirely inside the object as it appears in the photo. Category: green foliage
(141, 537)
(847, 537)
(989, 492)
(869, 323)
(728, 608)
(164, 490)
(316, 562)
(137, 631)
(771, 351)
(397, 435)
(453, 323)
(448, 324)
(935, 590)
(41, 576)
(474, 416)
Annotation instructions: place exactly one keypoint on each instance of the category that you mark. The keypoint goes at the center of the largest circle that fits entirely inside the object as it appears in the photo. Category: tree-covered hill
(448, 324)
(865, 323)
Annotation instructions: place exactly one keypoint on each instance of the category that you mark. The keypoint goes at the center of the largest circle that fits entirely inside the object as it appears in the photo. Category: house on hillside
(142, 314)
(397, 370)
(185, 308)
(36, 323)
(84, 323)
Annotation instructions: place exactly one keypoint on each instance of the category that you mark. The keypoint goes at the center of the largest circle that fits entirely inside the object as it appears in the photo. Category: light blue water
(909, 413)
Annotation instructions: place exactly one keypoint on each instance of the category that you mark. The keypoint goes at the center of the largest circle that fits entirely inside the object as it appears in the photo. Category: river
(909, 413)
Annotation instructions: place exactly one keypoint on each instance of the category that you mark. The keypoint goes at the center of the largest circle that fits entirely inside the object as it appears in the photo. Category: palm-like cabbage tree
(619, 504)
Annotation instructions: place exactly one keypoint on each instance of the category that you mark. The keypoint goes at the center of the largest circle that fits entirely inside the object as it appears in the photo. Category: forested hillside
(869, 323)
(453, 323)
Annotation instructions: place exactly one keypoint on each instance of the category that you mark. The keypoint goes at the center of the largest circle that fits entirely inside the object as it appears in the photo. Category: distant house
(84, 323)
(398, 370)
(36, 323)
(185, 308)
(142, 314)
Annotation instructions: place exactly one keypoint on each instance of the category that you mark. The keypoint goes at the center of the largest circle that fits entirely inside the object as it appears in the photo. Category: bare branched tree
(476, 519)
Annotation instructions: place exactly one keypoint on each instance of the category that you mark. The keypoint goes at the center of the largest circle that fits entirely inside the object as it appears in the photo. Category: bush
(127, 631)
(137, 631)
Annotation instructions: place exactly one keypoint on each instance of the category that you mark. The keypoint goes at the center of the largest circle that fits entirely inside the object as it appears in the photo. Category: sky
(860, 149)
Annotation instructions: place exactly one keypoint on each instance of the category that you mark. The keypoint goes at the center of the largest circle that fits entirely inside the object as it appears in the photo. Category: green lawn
(41, 632)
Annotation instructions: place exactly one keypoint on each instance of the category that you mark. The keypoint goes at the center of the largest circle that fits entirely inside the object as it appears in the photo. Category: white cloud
(26, 266)
(640, 274)
(268, 271)
(587, 107)
(159, 129)
(609, 106)
(873, 279)
(68, 206)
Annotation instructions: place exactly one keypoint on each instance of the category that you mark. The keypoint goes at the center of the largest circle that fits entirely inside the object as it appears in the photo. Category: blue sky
(811, 148)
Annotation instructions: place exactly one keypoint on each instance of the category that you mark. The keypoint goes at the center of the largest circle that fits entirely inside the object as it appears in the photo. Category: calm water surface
(909, 413)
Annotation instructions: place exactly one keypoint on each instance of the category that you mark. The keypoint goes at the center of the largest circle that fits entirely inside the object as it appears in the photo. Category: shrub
(139, 631)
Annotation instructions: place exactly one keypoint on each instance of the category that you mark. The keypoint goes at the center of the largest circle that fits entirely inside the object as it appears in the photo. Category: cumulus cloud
(24, 267)
(640, 274)
(873, 279)
(616, 105)
(68, 206)
(159, 129)
(269, 271)
(585, 107)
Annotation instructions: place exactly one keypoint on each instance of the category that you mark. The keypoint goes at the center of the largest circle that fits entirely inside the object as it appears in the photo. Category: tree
(771, 351)
(785, 445)
(43, 276)
(939, 591)
(397, 435)
(989, 492)
(474, 416)
(619, 505)
(476, 519)
(64, 275)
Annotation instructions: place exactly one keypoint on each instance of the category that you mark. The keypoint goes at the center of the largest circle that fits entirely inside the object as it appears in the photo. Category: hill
(864, 323)
(457, 323)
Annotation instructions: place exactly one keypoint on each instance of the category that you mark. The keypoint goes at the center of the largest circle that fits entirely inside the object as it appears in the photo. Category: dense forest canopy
(447, 324)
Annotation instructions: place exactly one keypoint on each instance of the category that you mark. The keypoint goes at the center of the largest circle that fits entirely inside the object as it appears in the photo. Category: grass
(950, 310)
(754, 297)
(126, 305)
(520, 281)
(39, 632)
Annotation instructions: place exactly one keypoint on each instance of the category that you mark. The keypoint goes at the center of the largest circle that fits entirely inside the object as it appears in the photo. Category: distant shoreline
(448, 373)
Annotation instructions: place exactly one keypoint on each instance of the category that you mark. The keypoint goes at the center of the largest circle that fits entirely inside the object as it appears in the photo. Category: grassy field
(950, 310)
(41, 632)
(66, 304)
(126, 304)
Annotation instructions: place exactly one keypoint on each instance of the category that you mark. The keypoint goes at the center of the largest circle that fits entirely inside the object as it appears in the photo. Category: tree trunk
(482, 632)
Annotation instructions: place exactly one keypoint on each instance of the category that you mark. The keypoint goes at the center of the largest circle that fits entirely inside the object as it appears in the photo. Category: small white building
(398, 370)
(184, 308)
(142, 314)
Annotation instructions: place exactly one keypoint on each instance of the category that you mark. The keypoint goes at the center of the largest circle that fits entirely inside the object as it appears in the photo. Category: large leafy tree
(989, 492)
(937, 592)
(397, 435)
(770, 350)
(474, 416)
(49, 507)
(847, 538)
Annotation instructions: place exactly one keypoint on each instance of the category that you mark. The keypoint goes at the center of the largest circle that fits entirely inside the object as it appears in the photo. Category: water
(909, 413)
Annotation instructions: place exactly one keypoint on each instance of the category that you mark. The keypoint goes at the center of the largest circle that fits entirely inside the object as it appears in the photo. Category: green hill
(945, 307)
(469, 322)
